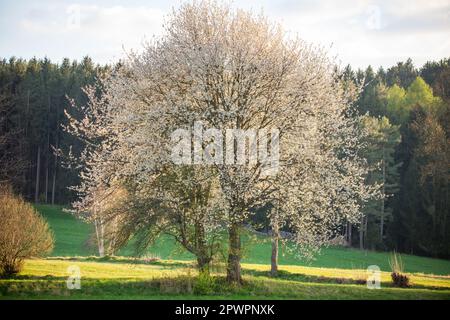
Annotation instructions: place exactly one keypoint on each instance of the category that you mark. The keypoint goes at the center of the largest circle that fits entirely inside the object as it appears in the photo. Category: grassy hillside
(72, 240)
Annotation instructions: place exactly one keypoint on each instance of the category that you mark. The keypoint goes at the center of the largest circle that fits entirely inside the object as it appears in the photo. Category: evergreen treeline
(408, 149)
(33, 97)
(407, 119)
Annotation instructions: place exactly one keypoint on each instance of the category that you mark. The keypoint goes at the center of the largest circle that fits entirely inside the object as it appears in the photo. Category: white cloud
(364, 32)
(361, 32)
(99, 31)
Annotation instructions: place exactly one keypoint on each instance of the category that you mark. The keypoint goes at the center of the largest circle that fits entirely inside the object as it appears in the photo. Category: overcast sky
(358, 32)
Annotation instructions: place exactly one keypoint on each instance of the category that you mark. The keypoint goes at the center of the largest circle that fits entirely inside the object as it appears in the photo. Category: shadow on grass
(282, 275)
(33, 286)
(139, 261)
(188, 286)
(32, 277)
(286, 275)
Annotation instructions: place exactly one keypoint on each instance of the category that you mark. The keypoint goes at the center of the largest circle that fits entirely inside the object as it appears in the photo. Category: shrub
(23, 233)
(399, 279)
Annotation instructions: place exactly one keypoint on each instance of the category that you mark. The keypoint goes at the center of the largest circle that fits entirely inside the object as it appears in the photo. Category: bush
(23, 233)
(399, 279)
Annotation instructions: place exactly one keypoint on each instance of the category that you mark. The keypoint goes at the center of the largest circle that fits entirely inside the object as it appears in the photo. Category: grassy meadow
(169, 273)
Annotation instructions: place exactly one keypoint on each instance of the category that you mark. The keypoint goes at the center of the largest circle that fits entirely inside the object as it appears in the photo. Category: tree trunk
(28, 186)
(203, 264)
(99, 232)
(234, 255)
(99, 229)
(361, 234)
(55, 164)
(54, 180)
(54, 172)
(349, 234)
(366, 221)
(38, 169)
(203, 258)
(46, 151)
(274, 259)
(27, 114)
(46, 177)
(101, 246)
(382, 201)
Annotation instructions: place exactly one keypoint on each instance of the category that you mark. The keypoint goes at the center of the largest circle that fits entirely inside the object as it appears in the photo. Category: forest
(406, 114)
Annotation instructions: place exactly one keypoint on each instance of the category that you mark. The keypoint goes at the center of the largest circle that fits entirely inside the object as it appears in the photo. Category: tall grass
(399, 279)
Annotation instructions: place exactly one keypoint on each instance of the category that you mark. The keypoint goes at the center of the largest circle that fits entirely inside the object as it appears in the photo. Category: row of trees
(32, 103)
(407, 117)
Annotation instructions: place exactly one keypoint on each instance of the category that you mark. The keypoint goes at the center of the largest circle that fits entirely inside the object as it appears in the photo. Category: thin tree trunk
(22, 178)
(101, 248)
(38, 169)
(46, 176)
(98, 229)
(274, 259)
(349, 234)
(28, 113)
(55, 166)
(234, 255)
(28, 186)
(47, 150)
(361, 234)
(54, 175)
(366, 221)
(99, 232)
(345, 231)
(382, 200)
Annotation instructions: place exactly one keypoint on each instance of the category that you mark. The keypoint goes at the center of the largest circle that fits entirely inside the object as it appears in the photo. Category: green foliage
(420, 93)
(382, 140)
(402, 74)
(372, 100)
(204, 284)
(401, 102)
(36, 92)
(396, 107)
(437, 75)
(421, 221)
(417, 210)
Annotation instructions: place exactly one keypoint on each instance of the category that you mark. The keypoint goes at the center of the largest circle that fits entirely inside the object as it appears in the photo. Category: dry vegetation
(23, 233)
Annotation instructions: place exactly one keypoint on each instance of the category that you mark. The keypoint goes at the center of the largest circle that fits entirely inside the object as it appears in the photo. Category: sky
(356, 32)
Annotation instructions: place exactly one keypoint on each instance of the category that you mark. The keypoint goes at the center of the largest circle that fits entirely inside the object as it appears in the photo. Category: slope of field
(72, 237)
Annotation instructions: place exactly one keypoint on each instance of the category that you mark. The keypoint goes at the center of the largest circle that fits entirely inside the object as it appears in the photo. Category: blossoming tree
(231, 69)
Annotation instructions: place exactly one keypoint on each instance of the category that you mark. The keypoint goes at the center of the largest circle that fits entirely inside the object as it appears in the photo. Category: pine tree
(382, 140)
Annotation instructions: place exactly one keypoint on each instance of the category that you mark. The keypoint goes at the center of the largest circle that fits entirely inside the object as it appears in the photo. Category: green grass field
(335, 274)
(168, 279)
